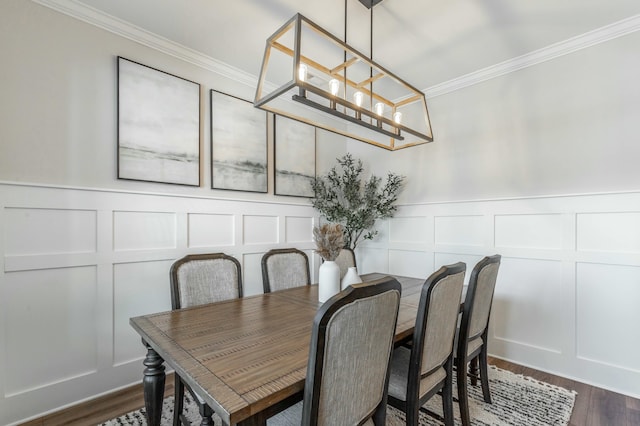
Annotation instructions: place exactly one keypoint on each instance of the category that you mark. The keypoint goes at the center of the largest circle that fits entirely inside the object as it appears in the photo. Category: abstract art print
(158, 126)
(295, 157)
(238, 144)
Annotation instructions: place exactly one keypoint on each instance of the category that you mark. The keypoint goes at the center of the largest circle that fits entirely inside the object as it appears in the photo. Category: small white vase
(351, 277)
(328, 280)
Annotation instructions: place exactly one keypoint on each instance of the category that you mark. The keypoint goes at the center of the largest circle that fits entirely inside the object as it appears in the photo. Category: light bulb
(302, 72)
(379, 108)
(397, 117)
(358, 97)
(334, 86)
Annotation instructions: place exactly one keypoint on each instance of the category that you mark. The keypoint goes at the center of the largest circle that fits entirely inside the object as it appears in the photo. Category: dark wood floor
(594, 406)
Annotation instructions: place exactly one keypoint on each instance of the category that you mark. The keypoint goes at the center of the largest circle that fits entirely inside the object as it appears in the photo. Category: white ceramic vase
(328, 280)
(351, 277)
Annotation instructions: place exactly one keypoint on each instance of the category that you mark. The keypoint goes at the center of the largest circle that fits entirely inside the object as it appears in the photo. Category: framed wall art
(295, 157)
(158, 126)
(238, 144)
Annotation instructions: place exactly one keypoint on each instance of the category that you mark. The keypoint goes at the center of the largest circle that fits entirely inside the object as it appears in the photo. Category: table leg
(153, 382)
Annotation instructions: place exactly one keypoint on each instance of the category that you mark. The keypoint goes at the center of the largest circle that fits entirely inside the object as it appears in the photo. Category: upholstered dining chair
(197, 279)
(347, 373)
(426, 368)
(345, 260)
(471, 340)
(284, 268)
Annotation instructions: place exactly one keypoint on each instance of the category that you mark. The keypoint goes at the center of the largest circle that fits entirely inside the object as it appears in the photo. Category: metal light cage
(302, 42)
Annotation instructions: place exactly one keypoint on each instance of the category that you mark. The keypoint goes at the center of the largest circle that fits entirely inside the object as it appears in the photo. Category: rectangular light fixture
(310, 75)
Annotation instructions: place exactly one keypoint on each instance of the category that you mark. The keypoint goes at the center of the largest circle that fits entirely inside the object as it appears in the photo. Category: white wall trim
(591, 38)
(270, 201)
(122, 28)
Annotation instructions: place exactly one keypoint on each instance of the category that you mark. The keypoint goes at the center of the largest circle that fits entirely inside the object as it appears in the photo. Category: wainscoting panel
(260, 229)
(298, 229)
(76, 264)
(143, 230)
(30, 231)
(608, 315)
(206, 230)
(542, 231)
(408, 230)
(460, 230)
(568, 287)
(50, 327)
(138, 289)
(528, 303)
(609, 232)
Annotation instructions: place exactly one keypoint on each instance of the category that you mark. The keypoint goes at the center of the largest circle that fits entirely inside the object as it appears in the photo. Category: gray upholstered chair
(284, 268)
(197, 279)
(471, 341)
(420, 372)
(347, 372)
(345, 260)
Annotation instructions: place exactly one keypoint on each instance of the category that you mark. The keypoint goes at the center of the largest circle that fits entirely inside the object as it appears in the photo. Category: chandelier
(312, 76)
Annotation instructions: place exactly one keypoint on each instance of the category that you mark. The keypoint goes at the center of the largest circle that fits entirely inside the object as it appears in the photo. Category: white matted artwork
(295, 157)
(238, 144)
(158, 126)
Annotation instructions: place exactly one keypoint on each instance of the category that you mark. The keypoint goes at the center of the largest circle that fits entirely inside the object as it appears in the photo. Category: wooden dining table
(246, 358)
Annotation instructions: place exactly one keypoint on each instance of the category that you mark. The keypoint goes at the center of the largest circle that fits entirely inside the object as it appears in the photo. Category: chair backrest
(351, 343)
(197, 279)
(284, 268)
(345, 260)
(436, 322)
(479, 298)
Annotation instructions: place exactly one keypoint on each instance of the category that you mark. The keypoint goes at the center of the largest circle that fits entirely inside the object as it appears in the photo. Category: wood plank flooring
(594, 406)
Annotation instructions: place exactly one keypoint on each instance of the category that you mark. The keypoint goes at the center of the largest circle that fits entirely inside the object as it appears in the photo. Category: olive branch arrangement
(344, 197)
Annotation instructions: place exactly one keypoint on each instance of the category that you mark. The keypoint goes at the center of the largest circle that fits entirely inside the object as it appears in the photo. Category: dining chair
(425, 368)
(472, 336)
(347, 372)
(197, 279)
(284, 268)
(346, 259)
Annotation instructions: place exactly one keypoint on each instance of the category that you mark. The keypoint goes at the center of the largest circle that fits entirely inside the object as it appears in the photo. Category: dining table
(247, 357)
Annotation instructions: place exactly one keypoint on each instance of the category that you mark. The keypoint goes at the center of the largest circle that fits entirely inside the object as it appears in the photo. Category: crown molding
(124, 29)
(582, 41)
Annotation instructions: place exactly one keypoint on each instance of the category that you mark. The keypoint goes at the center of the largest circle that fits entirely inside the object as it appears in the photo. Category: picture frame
(238, 144)
(295, 157)
(158, 125)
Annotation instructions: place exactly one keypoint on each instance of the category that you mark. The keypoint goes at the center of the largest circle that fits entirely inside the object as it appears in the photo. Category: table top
(244, 355)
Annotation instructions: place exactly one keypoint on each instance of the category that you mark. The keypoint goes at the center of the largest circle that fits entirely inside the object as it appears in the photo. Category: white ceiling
(425, 42)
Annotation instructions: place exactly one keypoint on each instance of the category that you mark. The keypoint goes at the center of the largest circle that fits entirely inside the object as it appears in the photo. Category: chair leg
(484, 374)
(463, 402)
(473, 371)
(413, 415)
(178, 400)
(447, 397)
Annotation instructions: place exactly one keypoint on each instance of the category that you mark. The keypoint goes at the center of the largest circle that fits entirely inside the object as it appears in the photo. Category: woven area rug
(517, 400)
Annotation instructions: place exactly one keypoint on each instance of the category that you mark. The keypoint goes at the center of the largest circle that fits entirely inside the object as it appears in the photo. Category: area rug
(517, 400)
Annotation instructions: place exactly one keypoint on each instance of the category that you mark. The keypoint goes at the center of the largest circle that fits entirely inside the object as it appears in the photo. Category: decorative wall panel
(442, 259)
(607, 314)
(50, 327)
(528, 303)
(540, 231)
(608, 232)
(460, 230)
(408, 230)
(49, 231)
(409, 263)
(299, 229)
(210, 230)
(252, 274)
(143, 230)
(138, 289)
(260, 229)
